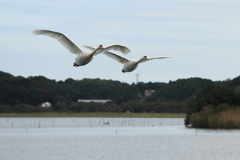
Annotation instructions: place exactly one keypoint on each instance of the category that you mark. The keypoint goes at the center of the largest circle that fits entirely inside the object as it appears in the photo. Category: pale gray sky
(206, 32)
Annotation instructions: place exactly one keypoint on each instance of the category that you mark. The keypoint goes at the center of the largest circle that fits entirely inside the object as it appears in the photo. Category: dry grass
(226, 119)
(229, 119)
(69, 114)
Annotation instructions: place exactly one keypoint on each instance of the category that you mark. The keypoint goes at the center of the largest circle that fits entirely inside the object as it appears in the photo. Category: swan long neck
(93, 52)
(140, 59)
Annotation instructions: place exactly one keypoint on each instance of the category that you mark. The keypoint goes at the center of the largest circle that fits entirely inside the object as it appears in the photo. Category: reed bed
(229, 119)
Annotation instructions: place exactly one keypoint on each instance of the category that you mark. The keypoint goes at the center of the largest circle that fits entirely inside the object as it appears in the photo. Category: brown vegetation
(209, 118)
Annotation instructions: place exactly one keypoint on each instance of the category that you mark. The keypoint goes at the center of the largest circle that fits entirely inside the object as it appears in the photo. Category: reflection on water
(113, 138)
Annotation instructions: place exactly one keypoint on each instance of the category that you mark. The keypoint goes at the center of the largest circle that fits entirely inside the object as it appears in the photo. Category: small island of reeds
(214, 107)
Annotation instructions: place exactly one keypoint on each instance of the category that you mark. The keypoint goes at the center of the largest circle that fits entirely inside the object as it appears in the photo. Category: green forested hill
(179, 90)
(35, 90)
(38, 89)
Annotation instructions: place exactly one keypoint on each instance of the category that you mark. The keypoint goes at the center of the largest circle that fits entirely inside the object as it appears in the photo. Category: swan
(129, 64)
(83, 57)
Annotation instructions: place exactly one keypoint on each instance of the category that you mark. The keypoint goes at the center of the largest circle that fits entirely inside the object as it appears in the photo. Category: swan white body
(129, 65)
(83, 57)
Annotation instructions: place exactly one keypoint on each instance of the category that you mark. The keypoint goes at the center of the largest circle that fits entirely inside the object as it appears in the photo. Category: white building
(94, 100)
(45, 104)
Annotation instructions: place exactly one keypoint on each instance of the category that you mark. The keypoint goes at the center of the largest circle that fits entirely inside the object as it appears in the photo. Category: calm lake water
(113, 139)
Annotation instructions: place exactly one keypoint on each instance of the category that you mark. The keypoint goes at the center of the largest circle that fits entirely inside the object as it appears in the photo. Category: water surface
(113, 138)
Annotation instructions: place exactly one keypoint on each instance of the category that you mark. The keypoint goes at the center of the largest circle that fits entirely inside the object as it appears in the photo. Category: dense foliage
(179, 90)
(210, 101)
(19, 94)
(35, 90)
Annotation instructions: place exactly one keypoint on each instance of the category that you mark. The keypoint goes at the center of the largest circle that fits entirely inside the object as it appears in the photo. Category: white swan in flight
(83, 57)
(129, 64)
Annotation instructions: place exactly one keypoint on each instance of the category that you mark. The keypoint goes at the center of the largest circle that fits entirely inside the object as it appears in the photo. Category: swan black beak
(74, 64)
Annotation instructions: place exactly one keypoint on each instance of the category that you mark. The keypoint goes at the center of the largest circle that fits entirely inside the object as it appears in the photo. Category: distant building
(94, 100)
(45, 104)
(148, 92)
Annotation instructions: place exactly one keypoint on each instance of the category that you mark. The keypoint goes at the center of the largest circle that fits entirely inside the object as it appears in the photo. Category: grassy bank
(67, 114)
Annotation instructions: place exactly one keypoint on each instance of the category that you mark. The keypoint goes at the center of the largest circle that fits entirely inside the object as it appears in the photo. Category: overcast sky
(206, 32)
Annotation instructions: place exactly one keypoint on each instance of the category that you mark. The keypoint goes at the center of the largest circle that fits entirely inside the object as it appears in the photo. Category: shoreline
(98, 114)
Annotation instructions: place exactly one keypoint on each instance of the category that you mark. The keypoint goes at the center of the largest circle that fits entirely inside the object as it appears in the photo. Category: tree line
(19, 94)
(131, 106)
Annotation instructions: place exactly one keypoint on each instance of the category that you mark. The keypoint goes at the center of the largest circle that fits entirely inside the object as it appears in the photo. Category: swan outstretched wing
(111, 55)
(116, 57)
(116, 47)
(67, 43)
(162, 57)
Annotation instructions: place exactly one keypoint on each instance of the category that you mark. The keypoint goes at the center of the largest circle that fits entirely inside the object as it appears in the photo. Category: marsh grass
(229, 119)
(97, 114)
